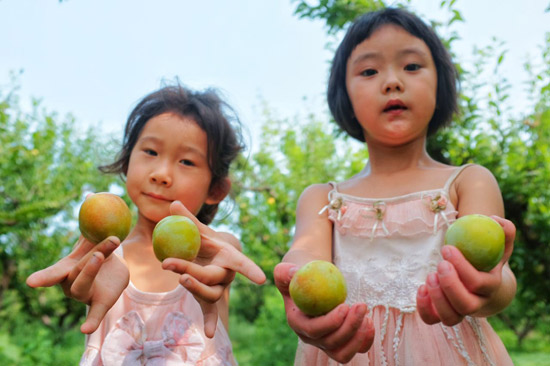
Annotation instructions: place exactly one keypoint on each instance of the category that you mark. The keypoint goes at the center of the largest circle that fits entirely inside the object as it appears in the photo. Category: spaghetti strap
(454, 176)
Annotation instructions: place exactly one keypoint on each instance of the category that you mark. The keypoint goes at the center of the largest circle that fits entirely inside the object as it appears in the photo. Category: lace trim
(378, 218)
(393, 282)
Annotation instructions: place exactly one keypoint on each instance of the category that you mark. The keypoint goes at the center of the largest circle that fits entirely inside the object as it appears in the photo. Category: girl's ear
(218, 192)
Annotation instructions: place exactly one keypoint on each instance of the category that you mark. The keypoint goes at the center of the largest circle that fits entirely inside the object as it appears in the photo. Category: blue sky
(96, 58)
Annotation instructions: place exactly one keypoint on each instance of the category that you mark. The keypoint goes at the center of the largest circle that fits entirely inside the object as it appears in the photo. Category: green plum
(318, 287)
(479, 238)
(176, 237)
(102, 215)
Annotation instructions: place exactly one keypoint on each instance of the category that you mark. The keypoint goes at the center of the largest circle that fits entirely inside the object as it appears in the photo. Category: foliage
(45, 165)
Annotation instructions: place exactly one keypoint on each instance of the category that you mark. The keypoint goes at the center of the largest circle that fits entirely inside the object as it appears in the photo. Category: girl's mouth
(395, 105)
(157, 196)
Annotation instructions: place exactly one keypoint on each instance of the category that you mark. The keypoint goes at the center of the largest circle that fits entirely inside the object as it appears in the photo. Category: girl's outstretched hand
(208, 277)
(343, 332)
(458, 289)
(89, 274)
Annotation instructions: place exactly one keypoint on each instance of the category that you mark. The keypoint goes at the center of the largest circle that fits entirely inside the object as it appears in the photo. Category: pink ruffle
(378, 218)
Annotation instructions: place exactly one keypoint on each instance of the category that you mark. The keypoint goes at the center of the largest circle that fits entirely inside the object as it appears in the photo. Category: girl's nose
(393, 83)
(161, 175)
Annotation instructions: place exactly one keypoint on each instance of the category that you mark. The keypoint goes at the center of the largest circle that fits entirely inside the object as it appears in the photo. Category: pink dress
(385, 249)
(154, 329)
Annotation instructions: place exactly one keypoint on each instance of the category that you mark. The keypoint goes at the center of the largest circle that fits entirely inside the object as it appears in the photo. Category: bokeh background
(71, 71)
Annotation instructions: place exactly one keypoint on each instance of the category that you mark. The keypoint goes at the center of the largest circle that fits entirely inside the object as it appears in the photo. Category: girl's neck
(143, 230)
(387, 160)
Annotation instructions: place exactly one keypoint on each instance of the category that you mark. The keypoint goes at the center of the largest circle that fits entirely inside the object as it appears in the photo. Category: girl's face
(391, 81)
(169, 162)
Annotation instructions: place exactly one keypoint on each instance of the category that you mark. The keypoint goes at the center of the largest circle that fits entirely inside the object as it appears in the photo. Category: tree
(45, 165)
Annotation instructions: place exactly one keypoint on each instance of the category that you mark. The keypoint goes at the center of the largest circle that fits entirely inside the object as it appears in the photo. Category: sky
(95, 59)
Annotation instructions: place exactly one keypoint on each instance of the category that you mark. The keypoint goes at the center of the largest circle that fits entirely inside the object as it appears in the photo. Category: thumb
(282, 274)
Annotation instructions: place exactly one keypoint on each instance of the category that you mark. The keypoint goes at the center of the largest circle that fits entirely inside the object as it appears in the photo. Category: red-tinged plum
(176, 237)
(318, 287)
(479, 238)
(102, 215)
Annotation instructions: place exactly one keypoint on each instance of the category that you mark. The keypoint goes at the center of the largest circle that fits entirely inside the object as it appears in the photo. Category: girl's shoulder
(477, 191)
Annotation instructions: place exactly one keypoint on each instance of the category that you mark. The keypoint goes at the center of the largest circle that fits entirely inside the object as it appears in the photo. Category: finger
(49, 276)
(349, 327)
(477, 282)
(282, 275)
(108, 246)
(210, 294)
(424, 306)
(366, 331)
(240, 263)
(510, 235)
(178, 208)
(209, 275)
(210, 313)
(462, 300)
(80, 289)
(95, 316)
(444, 309)
(348, 351)
(318, 327)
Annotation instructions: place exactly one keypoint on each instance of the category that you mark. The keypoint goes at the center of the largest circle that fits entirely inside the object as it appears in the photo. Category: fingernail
(292, 271)
(446, 252)
(422, 291)
(94, 259)
(433, 281)
(444, 268)
(360, 310)
(369, 324)
(342, 311)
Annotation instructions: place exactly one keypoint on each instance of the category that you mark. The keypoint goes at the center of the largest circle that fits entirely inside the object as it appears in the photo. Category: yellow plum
(318, 287)
(176, 237)
(102, 215)
(479, 238)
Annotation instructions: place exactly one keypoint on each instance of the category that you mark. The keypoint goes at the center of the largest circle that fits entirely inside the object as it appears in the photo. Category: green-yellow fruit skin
(102, 215)
(317, 288)
(479, 238)
(176, 237)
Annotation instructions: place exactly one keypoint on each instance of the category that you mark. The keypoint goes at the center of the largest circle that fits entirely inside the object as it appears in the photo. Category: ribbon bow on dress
(127, 344)
(377, 211)
(437, 205)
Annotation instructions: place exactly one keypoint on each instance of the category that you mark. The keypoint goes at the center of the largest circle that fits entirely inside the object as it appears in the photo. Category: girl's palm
(89, 274)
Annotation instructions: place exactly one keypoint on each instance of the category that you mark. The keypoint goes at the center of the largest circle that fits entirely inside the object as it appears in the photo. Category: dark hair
(363, 27)
(208, 110)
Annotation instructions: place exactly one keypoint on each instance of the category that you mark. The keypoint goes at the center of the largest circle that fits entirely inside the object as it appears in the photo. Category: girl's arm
(457, 288)
(345, 330)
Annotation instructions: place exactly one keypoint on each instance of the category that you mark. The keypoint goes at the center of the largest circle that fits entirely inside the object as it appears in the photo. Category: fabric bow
(127, 344)
(336, 204)
(437, 205)
(378, 210)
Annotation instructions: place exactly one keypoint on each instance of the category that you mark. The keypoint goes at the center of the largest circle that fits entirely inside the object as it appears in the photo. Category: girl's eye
(369, 72)
(187, 162)
(150, 152)
(412, 67)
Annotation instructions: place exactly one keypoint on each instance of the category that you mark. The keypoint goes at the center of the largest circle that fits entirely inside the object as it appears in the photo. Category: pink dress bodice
(385, 249)
(154, 329)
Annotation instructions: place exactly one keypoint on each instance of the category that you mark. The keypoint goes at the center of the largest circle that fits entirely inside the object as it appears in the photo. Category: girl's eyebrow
(184, 148)
(376, 55)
